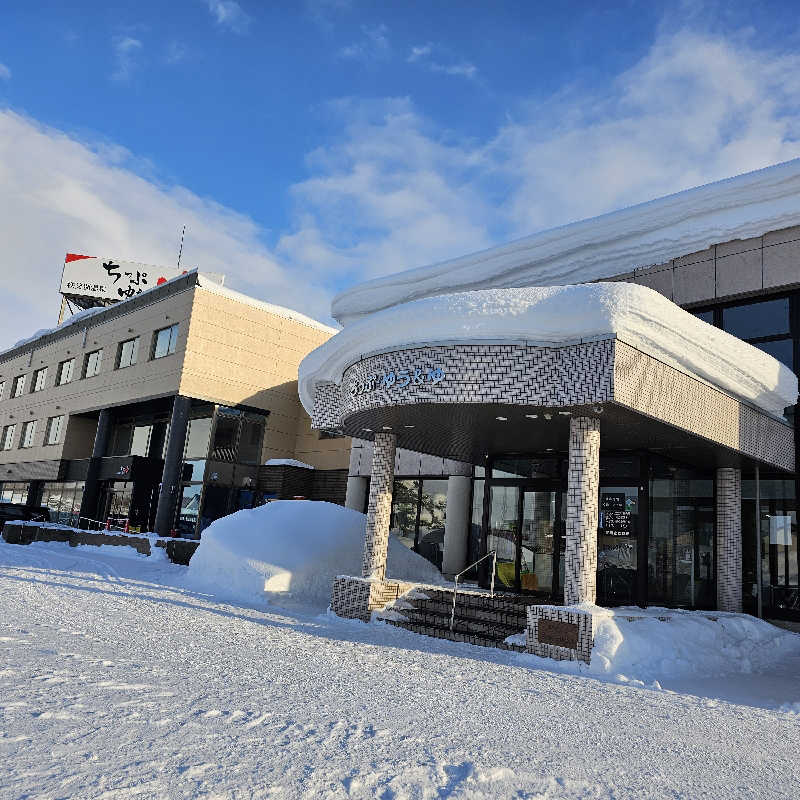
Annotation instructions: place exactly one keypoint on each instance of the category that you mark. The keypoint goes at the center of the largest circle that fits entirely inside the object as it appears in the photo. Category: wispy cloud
(125, 50)
(175, 52)
(5, 72)
(374, 45)
(425, 55)
(230, 15)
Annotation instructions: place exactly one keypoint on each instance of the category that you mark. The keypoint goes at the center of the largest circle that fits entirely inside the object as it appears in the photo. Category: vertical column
(729, 539)
(91, 490)
(173, 465)
(356, 495)
(379, 507)
(583, 480)
(456, 524)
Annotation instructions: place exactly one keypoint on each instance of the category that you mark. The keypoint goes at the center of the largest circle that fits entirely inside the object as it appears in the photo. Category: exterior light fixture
(548, 416)
(564, 413)
(386, 427)
(367, 430)
(549, 449)
(531, 416)
(598, 409)
(408, 426)
(502, 419)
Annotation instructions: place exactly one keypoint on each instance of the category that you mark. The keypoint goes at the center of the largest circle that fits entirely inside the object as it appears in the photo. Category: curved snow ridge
(649, 233)
(634, 314)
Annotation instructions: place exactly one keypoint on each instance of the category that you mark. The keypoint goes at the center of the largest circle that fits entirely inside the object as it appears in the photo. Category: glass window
(476, 526)
(39, 379)
(706, 316)
(225, 434)
(405, 507)
(198, 467)
(65, 369)
(433, 510)
(2, 389)
(140, 441)
(28, 433)
(14, 493)
(189, 509)
(53, 432)
(18, 386)
(524, 467)
(93, 362)
(502, 534)
(121, 440)
(128, 351)
(164, 341)
(752, 320)
(197, 438)
(250, 439)
(7, 438)
(782, 349)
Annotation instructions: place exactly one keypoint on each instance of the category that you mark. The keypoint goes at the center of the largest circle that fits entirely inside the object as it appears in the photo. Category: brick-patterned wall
(729, 539)
(379, 507)
(565, 376)
(357, 598)
(329, 485)
(583, 480)
(658, 390)
(583, 620)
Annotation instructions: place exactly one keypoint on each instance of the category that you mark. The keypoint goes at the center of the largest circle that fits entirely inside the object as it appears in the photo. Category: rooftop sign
(113, 279)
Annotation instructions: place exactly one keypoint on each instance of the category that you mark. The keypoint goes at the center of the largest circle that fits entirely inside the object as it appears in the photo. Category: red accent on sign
(75, 257)
(160, 281)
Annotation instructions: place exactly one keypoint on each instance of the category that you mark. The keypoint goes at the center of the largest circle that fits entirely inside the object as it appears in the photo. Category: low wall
(561, 633)
(357, 598)
(178, 551)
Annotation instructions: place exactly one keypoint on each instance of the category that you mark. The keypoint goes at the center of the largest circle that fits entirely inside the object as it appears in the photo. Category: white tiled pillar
(729, 539)
(583, 480)
(379, 507)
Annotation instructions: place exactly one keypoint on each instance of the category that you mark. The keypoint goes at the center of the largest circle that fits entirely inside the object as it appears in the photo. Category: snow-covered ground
(118, 681)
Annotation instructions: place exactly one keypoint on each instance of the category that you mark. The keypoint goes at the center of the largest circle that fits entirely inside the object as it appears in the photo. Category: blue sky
(311, 145)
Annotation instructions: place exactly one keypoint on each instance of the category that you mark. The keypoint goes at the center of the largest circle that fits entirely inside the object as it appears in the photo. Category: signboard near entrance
(561, 634)
(617, 523)
(612, 501)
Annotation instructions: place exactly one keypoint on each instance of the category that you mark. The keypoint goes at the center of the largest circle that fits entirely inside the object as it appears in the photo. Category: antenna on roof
(180, 249)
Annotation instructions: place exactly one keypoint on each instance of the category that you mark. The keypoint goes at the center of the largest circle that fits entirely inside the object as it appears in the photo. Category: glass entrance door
(523, 524)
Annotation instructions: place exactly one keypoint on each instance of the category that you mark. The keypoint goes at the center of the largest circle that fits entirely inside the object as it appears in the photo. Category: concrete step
(490, 629)
(478, 613)
(436, 632)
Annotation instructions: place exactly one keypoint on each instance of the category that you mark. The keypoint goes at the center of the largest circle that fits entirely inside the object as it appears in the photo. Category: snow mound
(288, 462)
(602, 247)
(557, 315)
(290, 551)
(657, 645)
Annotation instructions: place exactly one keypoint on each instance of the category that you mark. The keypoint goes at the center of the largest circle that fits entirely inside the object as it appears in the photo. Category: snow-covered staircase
(479, 618)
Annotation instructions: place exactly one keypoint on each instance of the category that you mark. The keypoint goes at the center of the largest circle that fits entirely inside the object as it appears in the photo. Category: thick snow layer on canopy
(291, 550)
(557, 314)
(634, 645)
(601, 247)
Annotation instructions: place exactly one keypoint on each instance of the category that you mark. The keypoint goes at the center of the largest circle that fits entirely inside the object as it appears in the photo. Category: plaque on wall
(617, 523)
(561, 634)
(612, 501)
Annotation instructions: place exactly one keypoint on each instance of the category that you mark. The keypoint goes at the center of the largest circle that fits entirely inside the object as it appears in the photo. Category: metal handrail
(493, 554)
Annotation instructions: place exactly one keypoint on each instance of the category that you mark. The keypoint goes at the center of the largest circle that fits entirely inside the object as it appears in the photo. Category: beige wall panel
(658, 278)
(781, 236)
(738, 246)
(320, 453)
(693, 283)
(694, 258)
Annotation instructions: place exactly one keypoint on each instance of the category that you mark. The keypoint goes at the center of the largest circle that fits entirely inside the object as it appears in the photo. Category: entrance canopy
(504, 369)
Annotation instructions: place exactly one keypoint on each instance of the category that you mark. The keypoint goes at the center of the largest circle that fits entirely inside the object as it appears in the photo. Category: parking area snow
(119, 681)
(290, 551)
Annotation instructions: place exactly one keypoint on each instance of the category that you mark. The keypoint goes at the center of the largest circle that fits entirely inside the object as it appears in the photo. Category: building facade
(161, 412)
(690, 490)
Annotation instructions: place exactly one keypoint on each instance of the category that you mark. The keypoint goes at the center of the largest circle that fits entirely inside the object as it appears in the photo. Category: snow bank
(635, 314)
(601, 247)
(291, 550)
(690, 644)
(288, 462)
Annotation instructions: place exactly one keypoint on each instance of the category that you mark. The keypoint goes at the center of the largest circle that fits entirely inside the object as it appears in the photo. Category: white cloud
(373, 45)
(125, 50)
(393, 190)
(229, 14)
(5, 72)
(423, 54)
(60, 195)
(175, 52)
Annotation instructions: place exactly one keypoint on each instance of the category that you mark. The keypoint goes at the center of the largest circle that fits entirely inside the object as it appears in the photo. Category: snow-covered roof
(201, 280)
(558, 315)
(602, 247)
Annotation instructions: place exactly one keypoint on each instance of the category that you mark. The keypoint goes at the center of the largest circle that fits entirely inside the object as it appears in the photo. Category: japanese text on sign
(400, 379)
(133, 282)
